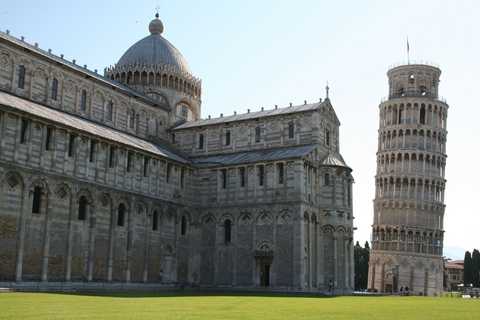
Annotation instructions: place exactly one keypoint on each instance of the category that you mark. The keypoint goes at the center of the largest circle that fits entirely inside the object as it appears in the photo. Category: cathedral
(116, 180)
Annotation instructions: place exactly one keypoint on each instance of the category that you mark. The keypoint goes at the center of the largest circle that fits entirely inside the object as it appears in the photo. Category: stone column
(320, 260)
(21, 234)
(46, 243)
(68, 271)
(347, 262)
(335, 260)
(91, 243)
(382, 279)
(129, 240)
(148, 232)
(111, 243)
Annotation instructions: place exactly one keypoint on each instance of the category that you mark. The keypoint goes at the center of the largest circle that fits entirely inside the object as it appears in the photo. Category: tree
(467, 269)
(476, 268)
(361, 257)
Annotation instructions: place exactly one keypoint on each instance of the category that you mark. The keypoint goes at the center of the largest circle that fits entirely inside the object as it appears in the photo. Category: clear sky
(252, 53)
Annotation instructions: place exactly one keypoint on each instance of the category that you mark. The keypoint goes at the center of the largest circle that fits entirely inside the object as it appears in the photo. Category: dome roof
(154, 50)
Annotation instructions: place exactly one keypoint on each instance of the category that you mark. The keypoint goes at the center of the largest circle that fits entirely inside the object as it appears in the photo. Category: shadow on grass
(192, 293)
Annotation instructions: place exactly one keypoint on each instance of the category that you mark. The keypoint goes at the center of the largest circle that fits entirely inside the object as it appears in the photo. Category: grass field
(61, 306)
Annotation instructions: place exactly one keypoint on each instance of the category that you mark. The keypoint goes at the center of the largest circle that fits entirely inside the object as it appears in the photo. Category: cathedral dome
(154, 50)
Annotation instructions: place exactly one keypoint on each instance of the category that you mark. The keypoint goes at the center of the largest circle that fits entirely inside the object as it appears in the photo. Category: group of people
(404, 291)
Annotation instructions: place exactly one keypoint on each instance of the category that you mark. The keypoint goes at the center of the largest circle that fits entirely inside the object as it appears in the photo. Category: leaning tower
(407, 231)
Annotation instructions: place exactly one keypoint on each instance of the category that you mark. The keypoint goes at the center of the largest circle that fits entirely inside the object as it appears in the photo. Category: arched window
(155, 221)
(280, 172)
(21, 77)
(37, 200)
(183, 226)
(54, 89)
(109, 111)
(83, 100)
(121, 215)
(261, 174)
(82, 208)
(24, 131)
(291, 130)
(227, 137)
(131, 119)
(327, 137)
(200, 141)
(422, 115)
(326, 179)
(224, 178)
(258, 133)
(228, 231)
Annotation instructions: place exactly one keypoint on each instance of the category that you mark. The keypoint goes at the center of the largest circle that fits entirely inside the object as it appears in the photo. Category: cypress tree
(467, 269)
(357, 254)
(476, 268)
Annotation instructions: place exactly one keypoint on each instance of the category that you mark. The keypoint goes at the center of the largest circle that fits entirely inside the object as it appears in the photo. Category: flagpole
(408, 51)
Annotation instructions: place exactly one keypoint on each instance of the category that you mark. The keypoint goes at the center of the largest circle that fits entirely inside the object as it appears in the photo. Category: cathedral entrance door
(264, 259)
(265, 274)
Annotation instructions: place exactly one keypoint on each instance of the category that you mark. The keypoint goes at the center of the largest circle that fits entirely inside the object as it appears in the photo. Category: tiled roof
(78, 68)
(252, 115)
(255, 156)
(74, 122)
(335, 160)
(454, 266)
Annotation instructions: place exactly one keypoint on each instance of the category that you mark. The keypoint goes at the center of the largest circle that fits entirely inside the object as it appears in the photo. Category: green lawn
(60, 306)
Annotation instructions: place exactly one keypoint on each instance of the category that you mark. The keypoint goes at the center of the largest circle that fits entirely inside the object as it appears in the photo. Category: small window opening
(48, 138)
(121, 215)
(71, 145)
(82, 208)
(257, 134)
(280, 172)
(411, 79)
(146, 162)
(83, 100)
(422, 115)
(326, 179)
(24, 131)
(93, 150)
(129, 161)
(131, 119)
(261, 175)
(182, 177)
(291, 130)
(200, 141)
(183, 226)
(37, 200)
(155, 221)
(54, 92)
(111, 158)
(227, 138)
(21, 77)
(228, 231)
(224, 178)
(109, 111)
(242, 177)
(169, 170)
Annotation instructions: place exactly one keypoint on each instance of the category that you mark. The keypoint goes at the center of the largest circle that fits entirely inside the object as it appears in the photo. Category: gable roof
(102, 132)
(253, 115)
(254, 156)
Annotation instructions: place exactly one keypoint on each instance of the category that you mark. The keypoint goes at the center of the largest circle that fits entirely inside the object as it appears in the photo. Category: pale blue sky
(261, 53)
